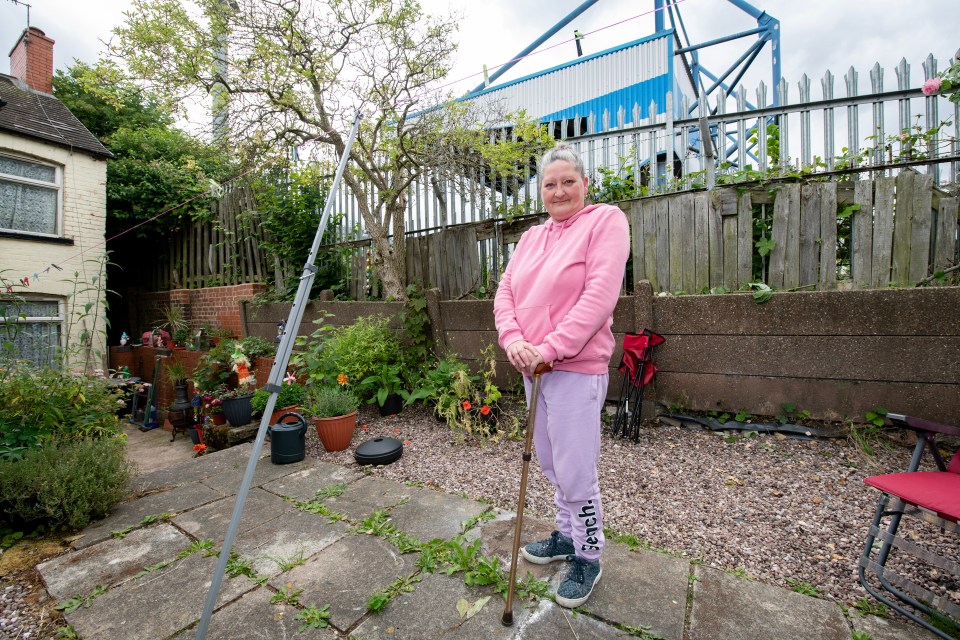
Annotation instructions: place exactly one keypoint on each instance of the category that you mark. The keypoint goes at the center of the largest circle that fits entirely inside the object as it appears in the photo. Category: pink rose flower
(931, 87)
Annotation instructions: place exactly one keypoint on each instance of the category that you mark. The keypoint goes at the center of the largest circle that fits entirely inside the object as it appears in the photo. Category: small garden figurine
(241, 365)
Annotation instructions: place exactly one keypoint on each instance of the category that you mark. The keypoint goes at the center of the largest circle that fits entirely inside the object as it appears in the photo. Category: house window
(29, 196)
(30, 330)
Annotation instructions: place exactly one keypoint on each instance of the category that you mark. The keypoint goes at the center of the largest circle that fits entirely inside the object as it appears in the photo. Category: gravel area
(779, 510)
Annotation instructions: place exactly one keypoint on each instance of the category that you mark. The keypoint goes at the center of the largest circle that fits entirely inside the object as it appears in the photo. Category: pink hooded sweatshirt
(561, 286)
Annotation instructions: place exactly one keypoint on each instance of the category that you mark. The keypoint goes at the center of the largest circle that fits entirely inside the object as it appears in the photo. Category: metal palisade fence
(687, 236)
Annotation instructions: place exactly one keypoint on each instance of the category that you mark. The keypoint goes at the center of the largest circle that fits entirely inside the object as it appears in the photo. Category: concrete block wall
(80, 243)
(836, 354)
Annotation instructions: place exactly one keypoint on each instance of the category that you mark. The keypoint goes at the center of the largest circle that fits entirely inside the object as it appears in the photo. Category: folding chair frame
(894, 507)
(637, 369)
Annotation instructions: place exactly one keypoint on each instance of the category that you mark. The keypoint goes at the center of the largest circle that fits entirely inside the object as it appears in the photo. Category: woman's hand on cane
(524, 356)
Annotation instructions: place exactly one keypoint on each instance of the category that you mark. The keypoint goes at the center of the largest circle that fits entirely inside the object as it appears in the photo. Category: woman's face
(564, 191)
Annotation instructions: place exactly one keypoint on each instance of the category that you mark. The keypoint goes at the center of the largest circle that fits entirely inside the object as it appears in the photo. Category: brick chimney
(31, 60)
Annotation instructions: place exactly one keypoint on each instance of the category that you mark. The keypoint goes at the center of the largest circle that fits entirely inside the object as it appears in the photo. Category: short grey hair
(562, 151)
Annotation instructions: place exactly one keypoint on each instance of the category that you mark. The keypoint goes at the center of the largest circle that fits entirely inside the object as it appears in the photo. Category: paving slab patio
(157, 574)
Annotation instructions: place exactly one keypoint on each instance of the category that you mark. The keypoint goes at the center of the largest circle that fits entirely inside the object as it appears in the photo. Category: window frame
(56, 186)
(59, 320)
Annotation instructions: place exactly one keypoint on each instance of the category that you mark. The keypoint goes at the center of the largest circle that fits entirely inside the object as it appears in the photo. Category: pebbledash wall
(83, 211)
(837, 354)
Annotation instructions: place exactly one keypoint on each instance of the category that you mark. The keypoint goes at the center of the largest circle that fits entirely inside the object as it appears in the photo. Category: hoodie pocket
(534, 323)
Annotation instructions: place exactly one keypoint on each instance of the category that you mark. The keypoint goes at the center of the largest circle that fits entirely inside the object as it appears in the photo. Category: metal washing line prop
(273, 386)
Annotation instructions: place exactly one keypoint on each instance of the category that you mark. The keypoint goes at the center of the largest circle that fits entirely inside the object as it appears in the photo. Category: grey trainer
(556, 547)
(578, 584)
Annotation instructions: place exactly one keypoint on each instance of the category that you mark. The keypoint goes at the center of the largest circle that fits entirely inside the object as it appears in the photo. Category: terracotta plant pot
(218, 419)
(275, 416)
(336, 433)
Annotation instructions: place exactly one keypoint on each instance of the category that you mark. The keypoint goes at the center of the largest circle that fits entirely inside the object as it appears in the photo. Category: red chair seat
(937, 491)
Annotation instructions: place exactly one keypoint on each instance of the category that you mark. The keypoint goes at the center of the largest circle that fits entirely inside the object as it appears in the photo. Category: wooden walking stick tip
(507, 619)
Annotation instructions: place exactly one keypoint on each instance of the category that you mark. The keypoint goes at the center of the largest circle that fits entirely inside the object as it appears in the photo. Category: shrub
(356, 351)
(39, 406)
(290, 394)
(65, 483)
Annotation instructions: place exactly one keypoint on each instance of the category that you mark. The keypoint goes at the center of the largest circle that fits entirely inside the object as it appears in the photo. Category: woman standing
(555, 304)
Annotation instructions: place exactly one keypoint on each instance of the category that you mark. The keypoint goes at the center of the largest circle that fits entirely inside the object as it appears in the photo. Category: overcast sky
(816, 35)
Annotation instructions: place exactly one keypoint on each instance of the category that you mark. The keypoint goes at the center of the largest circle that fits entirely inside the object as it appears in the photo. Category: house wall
(83, 211)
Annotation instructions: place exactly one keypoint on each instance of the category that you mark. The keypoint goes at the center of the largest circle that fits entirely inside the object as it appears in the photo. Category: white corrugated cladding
(627, 77)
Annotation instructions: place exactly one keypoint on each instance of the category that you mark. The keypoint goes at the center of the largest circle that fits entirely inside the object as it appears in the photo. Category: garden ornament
(241, 365)
(124, 339)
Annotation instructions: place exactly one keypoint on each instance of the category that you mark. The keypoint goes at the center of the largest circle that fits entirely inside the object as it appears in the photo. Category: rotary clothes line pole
(284, 349)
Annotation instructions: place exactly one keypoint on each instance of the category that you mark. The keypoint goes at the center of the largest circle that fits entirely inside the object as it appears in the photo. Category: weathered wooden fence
(224, 251)
(902, 230)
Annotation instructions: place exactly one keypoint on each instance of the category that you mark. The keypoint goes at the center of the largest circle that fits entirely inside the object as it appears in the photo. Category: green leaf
(765, 245)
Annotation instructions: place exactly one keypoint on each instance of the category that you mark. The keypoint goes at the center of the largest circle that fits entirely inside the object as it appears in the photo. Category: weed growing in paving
(153, 567)
(332, 491)
(72, 604)
(379, 601)
(286, 564)
(285, 596)
(860, 635)
(206, 546)
(378, 524)
(314, 617)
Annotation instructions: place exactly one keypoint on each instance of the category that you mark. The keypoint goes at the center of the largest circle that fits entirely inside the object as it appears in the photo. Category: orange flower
(466, 405)
(485, 410)
(342, 379)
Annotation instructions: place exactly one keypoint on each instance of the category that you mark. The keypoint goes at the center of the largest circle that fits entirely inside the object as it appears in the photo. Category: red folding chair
(932, 497)
(637, 369)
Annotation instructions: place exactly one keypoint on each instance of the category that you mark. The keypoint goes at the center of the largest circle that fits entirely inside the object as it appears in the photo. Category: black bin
(288, 439)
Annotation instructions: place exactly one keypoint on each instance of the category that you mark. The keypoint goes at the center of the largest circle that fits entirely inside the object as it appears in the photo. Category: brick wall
(216, 306)
(83, 211)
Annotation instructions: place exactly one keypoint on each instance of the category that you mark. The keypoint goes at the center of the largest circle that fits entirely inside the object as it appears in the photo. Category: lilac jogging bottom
(567, 439)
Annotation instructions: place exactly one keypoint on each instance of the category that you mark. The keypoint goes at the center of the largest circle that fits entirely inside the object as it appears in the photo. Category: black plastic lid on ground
(379, 451)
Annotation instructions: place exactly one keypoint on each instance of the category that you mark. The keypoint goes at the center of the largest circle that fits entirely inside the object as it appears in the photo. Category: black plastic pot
(392, 405)
(238, 410)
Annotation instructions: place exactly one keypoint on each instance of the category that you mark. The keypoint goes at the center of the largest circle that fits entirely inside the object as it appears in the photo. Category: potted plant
(385, 388)
(213, 404)
(290, 396)
(175, 320)
(181, 336)
(236, 403)
(334, 413)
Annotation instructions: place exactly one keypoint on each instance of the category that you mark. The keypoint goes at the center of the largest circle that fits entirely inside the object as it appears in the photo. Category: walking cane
(507, 618)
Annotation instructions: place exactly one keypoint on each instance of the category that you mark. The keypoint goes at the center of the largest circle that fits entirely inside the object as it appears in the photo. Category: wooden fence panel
(687, 240)
(717, 237)
(744, 239)
(828, 236)
(730, 227)
(791, 262)
(650, 262)
(778, 233)
(809, 250)
(945, 252)
(861, 235)
(663, 245)
(921, 227)
(634, 212)
(882, 230)
(701, 249)
(903, 227)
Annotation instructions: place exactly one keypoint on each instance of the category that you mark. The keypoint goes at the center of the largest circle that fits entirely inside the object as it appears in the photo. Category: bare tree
(298, 72)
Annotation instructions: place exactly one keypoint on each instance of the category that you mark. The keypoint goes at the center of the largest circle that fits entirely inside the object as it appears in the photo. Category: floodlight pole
(273, 385)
